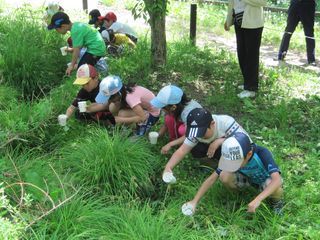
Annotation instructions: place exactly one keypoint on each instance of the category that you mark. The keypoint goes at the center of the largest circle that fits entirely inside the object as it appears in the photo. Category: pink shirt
(142, 96)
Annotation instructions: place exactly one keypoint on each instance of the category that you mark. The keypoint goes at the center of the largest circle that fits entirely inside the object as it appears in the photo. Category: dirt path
(267, 53)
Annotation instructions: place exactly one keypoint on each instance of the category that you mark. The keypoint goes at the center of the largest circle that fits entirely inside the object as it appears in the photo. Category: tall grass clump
(112, 161)
(30, 59)
(134, 66)
(98, 218)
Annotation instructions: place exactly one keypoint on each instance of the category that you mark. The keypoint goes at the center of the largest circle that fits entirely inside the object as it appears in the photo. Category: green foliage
(30, 57)
(111, 161)
(134, 66)
(106, 165)
(11, 223)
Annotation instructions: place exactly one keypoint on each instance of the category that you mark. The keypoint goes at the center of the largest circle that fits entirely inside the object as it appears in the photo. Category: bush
(30, 58)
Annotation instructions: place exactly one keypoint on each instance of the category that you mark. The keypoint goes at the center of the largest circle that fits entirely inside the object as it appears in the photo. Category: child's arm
(97, 107)
(166, 148)
(70, 111)
(204, 188)
(177, 156)
(75, 56)
(131, 43)
(214, 146)
(270, 189)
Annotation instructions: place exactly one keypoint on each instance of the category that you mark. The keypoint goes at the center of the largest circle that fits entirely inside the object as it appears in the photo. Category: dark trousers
(200, 152)
(88, 58)
(304, 11)
(248, 50)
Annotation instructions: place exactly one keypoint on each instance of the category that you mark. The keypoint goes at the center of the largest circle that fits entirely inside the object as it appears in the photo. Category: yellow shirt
(122, 39)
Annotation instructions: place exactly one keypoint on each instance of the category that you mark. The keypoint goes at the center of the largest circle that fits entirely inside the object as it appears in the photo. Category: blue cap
(109, 86)
(168, 95)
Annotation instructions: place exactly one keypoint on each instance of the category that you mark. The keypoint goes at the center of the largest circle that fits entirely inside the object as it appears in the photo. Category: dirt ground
(267, 53)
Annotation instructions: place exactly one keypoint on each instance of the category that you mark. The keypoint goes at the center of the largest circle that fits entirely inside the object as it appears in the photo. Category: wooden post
(193, 23)
(85, 5)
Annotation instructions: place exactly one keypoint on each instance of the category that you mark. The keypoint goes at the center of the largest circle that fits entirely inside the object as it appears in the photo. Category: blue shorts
(146, 126)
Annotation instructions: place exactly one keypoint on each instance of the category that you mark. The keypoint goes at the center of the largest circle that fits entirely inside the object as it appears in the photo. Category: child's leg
(114, 108)
(277, 194)
(234, 180)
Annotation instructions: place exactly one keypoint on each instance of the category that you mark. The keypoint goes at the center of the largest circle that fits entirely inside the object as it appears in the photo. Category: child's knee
(227, 179)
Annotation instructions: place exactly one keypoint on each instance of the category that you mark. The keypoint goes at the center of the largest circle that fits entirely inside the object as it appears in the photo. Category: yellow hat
(84, 74)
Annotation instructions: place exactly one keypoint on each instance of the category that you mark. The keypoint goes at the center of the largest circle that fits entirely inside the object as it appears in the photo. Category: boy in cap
(176, 105)
(244, 164)
(110, 22)
(205, 134)
(83, 35)
(88, 79)
(94, 20)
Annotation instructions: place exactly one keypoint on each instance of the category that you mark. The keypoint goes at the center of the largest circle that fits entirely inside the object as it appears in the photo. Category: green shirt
(83, 35)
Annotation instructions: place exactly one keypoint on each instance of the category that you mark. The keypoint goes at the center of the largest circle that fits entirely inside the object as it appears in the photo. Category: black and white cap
(198, 121)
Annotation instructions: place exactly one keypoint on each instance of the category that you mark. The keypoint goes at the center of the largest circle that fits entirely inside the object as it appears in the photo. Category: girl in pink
(129, 103)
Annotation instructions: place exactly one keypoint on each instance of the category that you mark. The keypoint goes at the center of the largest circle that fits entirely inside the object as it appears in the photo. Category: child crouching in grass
(244, 164)
(129, 103)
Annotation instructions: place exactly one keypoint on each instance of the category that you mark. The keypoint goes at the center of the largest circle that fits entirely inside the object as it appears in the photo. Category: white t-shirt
(224, 126)
(118, 27)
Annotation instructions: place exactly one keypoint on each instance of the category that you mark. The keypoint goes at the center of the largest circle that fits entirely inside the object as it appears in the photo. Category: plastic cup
(63, 51)
(187, 209)
(82, 106)
(168, 177)
(62, 119)
(153, 137)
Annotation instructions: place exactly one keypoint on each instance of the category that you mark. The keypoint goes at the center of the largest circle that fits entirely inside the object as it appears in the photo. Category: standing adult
(247, 18)
(304, 11)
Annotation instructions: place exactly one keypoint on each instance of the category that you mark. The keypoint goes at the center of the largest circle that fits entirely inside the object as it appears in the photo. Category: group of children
(218, 141)
(90, 45)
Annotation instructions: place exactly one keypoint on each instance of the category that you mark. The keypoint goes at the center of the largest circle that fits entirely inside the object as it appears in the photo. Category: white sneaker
(246, 94)
(241, 87)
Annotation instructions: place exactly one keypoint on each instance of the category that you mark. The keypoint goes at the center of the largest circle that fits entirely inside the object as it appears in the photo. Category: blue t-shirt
(260, 166)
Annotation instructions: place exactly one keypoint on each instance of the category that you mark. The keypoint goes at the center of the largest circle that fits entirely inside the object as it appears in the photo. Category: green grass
(120, 191)
(110, 161)
(30, 59)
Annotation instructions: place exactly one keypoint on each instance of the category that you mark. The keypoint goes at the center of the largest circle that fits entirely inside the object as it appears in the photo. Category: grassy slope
(284, 117)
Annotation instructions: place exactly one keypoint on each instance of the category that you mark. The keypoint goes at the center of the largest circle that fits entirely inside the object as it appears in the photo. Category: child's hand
(69, 70)
(212, 149)
(165, 149)
(253, 205)
(226, 27)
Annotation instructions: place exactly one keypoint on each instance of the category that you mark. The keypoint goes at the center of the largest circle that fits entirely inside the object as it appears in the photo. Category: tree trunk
(158, 32)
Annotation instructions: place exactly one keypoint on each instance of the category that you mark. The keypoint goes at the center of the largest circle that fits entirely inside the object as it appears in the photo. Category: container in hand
(168, 177)
(187, 209)
(82, 106)
(153, 137)
(62, 119)
(63, 50)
